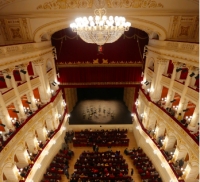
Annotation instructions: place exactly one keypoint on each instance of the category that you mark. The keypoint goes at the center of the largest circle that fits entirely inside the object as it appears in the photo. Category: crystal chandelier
(100, 29)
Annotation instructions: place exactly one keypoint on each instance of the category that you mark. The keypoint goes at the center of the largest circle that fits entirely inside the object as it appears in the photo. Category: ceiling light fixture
(100, 29)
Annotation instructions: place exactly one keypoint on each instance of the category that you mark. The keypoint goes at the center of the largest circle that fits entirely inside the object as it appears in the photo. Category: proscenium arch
(54, 26)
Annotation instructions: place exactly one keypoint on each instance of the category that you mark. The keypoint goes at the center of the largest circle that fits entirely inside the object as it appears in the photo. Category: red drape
(170, 67)
(2, 82)
(30, 69)
(100, 74)
(184, 73)
(17, 75)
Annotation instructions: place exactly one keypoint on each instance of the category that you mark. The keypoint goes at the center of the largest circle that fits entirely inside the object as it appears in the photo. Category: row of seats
(58, 166)
(106, 166)
(103, 138)
(144, 166)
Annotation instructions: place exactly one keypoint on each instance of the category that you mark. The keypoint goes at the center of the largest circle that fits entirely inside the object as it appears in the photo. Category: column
(17, 103)
(22, 75)
(31, 99)
(145, 120)
(170, 94)
(54, 72)
(140, 108)
(4, 115)
(193, 80)
(145, 71)
(179, 154)
(21, 114)
(32, 144)
(182, 100)
(55, 119)
(30, 95)
(191, 172)
(7, 79)
(156, 87)
(195, 119)
(182, 105)
(11, 173)
(169, 141)
(23, 158)
(44, 89)
(42, 134)
(160, 131)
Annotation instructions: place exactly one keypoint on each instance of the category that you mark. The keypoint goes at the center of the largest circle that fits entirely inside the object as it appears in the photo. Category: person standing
(97, 148)
(94, 147)
(132, 171)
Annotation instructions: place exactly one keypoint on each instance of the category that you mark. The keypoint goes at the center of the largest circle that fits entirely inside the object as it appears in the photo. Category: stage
(100, 112)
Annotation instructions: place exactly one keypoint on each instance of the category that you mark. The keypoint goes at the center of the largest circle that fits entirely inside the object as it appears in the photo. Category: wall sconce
(28, 102)
(173, 100)
(8, 76)
(22, 71)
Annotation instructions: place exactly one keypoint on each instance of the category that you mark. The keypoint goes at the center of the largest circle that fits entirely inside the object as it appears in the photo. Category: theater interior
(75, 109)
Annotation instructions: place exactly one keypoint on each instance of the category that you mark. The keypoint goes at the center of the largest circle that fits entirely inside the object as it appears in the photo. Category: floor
(100, 112)
(79, 150)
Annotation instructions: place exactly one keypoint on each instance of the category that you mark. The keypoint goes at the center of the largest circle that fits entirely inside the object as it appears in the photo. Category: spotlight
(178, 69)
(197, 77)
(53, 84)
(192, 74)
(185, 110)
(22, 71)
(8, 76)
(15, 111)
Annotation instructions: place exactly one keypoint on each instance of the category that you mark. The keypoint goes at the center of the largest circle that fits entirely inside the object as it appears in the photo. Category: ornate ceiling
(24, 21)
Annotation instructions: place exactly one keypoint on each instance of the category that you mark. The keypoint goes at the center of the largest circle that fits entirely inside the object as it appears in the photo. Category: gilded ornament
(133, 4)
(66, 4)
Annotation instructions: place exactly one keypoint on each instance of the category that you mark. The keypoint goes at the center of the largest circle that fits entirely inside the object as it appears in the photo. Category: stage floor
(100, 112)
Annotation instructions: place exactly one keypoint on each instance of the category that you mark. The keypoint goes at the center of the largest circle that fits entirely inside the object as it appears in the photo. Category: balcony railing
(29, 118)
(40, 151)
(178, 176)
(177, 122)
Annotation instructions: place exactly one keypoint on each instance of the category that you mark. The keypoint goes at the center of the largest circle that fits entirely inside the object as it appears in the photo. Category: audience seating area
(58, 166)
(103, 138)
(98, 166)
(144, 166)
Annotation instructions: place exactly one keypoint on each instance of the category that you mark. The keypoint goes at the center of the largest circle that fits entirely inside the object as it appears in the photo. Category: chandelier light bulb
(104, 18)
(100, 29)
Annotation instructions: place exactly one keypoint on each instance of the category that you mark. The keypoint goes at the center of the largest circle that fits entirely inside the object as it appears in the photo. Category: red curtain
(17, 75)
(170, 67)
(2, 82)
(100, 74)
(184, 73)
(30, 69)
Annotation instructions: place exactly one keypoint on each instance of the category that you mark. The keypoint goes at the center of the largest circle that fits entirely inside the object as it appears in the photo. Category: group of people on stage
(91, 112)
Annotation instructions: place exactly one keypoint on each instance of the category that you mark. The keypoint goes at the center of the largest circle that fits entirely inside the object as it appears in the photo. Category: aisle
(79, 150)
